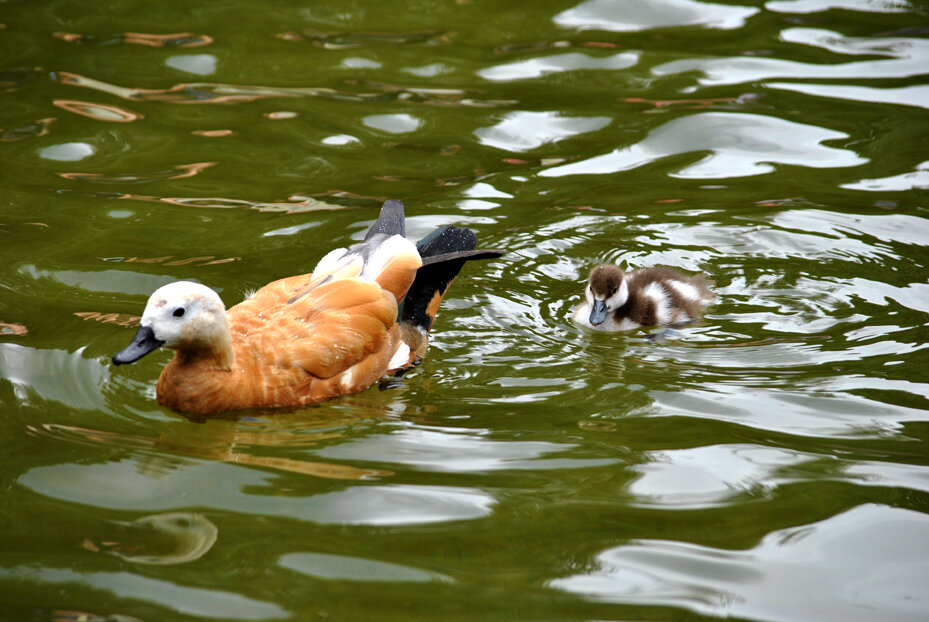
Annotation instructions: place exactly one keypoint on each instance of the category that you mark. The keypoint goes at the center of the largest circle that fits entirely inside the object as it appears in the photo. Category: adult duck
(363, 312)
(616, 301)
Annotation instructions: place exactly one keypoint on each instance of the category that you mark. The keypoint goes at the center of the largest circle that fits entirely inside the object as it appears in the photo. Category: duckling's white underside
(582, 318)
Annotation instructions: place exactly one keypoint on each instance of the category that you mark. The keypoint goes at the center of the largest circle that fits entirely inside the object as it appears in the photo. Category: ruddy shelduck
(615, 300)
(364, 312)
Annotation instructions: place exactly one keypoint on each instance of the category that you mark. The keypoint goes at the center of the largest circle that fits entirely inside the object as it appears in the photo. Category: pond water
(769, 462)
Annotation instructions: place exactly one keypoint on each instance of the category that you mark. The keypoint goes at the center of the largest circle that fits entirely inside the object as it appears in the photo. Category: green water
(767, 463)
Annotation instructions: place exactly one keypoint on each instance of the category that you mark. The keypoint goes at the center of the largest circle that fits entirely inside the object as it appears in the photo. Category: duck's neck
(219, 355)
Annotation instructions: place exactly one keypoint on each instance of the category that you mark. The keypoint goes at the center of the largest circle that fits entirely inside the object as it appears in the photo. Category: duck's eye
(612, 291)
(179, 312)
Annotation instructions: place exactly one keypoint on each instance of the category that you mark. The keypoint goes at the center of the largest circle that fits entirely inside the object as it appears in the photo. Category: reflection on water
(528, 469)
(352, 569)
(183, 39)
(100, 112)
(638, 15)
(160, 539)
(173, 598)
(737, 583)
(741, 145)
(904, 57)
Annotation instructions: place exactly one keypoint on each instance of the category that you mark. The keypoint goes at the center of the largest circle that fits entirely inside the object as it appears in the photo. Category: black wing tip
(469, 255)
(447, 239)
(433, 279)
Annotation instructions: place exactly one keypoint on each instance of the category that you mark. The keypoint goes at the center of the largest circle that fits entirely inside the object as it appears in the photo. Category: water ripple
(637, 15)
(905, 57)
(721, 582)
(741, 145)
(557, 63)
(528, 468)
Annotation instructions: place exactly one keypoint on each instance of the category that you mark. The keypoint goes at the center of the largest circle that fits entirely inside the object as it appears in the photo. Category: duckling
(647, 297)
(363, 312)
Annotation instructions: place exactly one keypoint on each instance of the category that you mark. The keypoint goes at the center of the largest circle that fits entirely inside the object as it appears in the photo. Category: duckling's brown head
(184, 316)
(606, 291)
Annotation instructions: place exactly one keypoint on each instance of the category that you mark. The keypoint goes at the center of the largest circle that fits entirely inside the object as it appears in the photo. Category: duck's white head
(606, 291)
(184, 316)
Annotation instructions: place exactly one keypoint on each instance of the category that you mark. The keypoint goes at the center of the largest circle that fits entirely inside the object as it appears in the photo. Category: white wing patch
(686, 290)
(385, 253)
(331, 262)
(657, 293)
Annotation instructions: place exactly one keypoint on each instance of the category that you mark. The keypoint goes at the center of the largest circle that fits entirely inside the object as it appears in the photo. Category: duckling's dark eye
(612, 291)
(179, 312)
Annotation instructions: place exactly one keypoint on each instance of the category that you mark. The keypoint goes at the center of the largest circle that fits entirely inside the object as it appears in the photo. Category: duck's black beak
(598, 312)
(143, 343)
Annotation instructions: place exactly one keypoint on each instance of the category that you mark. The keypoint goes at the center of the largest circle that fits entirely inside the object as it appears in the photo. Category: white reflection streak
(818, 6)
(191, 601)
(917, 180)
(909, 57)
(740, 144)
(524, 131)
(638, 15)
(773, 580)
(917, 95)
(537, 67)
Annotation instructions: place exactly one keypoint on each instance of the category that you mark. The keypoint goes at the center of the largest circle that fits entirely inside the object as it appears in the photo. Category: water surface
(765, 463)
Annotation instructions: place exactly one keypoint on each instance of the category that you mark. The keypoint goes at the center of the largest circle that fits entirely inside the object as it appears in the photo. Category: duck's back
(660, 296)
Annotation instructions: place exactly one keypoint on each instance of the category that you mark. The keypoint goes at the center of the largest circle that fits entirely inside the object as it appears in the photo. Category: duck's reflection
(224, 441)
(159, 539)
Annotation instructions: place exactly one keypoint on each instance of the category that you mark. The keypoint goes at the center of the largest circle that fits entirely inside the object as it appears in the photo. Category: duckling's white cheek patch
(619, 298)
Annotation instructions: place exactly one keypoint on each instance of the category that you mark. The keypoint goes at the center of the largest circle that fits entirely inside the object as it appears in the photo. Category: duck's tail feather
(444, 252)
(390, 221)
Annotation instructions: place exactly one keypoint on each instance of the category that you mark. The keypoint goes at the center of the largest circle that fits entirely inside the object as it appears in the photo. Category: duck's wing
(389, 260)
(335, 326)
(384, 256)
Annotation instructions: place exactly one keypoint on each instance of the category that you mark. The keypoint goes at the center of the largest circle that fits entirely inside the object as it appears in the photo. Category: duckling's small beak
(598, 312)
(143, 343)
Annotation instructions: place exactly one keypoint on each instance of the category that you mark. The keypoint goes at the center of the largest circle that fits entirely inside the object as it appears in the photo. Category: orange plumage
(307, 338)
